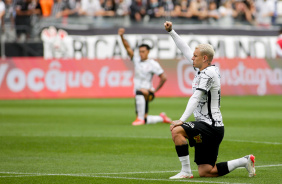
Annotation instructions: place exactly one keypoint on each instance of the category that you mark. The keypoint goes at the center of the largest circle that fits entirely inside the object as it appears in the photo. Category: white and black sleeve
(182, 46)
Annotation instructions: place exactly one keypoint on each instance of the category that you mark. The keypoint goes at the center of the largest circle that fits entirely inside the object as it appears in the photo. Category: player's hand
(121, 31)
(175, 123)
(168, 26)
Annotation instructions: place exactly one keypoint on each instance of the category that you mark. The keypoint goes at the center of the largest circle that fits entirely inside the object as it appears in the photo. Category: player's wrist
(171, 32)
(168, 30)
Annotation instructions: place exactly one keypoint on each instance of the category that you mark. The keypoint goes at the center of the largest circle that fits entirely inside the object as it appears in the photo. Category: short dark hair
(145, 45)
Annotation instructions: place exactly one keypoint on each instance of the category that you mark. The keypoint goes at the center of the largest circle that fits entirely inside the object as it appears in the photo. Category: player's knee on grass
(203, 172)
(206, 170)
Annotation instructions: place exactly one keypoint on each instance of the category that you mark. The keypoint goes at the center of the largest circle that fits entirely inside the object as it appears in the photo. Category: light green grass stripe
(143, 137)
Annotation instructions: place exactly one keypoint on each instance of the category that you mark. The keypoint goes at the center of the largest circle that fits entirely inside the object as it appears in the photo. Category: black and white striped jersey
(208, 109)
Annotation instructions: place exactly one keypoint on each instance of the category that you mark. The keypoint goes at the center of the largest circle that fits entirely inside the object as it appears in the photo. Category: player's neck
(204, 66)
(201, 69)
(143, 60)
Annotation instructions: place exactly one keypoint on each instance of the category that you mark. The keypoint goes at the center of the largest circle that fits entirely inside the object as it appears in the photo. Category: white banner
(58, 44)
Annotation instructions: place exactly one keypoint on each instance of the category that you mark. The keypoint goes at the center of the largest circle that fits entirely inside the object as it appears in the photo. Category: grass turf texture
(92, 141)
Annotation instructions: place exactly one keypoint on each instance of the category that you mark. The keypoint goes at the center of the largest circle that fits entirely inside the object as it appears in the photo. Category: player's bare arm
(129, 51)
(161, 83)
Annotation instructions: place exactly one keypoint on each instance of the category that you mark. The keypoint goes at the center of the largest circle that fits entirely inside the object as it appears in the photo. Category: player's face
(143, 52)
(198, 59)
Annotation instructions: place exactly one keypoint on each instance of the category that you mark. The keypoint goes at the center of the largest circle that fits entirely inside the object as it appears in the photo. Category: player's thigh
(144, 91)
(178, 130)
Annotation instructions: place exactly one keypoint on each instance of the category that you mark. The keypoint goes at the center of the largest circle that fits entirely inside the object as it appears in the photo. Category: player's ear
(205, 58)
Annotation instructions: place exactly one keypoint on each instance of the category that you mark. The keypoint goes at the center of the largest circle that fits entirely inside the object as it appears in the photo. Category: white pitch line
(148, 172)
(142, 172)
(151, 179)
(152, 172)
(16, 176)
(259, 142)
(270, 165)
(162, 137)
(14, 173)
(115, 177)
(96, 175)
(150, 137)
(44, 174)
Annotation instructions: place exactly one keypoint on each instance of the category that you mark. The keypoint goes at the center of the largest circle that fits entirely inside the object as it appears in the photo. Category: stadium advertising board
(58, 44)
(22, 78)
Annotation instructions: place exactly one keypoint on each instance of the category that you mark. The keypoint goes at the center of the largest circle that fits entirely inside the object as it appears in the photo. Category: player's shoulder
(210, 71)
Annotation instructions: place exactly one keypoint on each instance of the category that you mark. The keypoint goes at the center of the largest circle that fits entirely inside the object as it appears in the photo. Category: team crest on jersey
(198, 138)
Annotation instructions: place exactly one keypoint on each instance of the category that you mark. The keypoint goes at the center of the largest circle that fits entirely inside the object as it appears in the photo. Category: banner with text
(58, 44)
(22, 78)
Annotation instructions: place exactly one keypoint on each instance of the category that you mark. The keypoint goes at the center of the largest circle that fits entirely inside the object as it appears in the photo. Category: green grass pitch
(92, 141)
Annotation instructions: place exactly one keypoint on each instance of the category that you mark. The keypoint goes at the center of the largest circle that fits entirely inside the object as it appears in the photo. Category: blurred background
(78, 40)
(23, 20)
